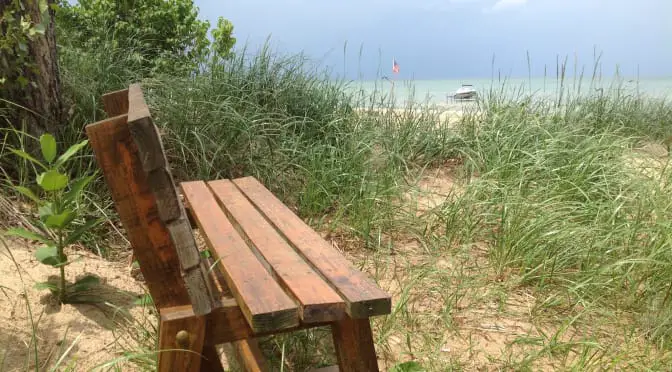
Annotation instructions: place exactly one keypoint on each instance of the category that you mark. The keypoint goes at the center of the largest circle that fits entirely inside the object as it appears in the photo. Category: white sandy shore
(445, 115)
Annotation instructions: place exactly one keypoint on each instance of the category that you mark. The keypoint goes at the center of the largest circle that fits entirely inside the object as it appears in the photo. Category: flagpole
(394, 60)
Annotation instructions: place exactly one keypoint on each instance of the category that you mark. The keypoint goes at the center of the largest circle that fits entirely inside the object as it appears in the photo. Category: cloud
(504, 4)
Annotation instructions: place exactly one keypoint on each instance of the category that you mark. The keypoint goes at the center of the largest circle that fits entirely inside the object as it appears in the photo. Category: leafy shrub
(164, 36)
(59, 212)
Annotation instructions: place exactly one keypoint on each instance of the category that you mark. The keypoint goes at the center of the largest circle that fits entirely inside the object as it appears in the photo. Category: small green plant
(60, 215)
(407, 367)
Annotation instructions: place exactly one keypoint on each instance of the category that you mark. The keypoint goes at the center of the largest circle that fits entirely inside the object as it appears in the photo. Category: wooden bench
(269, 271)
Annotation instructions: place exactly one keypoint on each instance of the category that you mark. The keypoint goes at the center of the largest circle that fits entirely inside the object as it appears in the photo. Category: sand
(92, 331)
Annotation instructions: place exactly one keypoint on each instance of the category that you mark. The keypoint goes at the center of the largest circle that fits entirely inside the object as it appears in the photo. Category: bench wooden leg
(354, 345)
(187, 334)
(211, 361)
(246, 355)
(249, 355)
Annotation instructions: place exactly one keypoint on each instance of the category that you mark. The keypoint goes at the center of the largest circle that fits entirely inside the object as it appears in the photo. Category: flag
(395, 66)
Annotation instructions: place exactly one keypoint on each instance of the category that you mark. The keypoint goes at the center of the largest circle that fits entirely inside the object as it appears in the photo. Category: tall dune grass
(552, 187)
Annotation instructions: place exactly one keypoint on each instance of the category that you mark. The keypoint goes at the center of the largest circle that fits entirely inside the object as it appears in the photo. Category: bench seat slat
(362, 295)
(318, 301)
(265, 305)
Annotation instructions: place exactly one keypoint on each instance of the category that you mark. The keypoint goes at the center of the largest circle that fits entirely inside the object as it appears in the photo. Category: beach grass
(526, 234)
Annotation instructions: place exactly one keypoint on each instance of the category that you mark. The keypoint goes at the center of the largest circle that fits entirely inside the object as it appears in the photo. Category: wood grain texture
(177, 360)
(317, 300)
(249, 356)
(117, 157)
(154, 163)
(362, 295)
(226, 323)
(116, 103)
(146, 137)
(168, 203)
(137, 107)
(263, 302)
(181, 234)
(353, 342)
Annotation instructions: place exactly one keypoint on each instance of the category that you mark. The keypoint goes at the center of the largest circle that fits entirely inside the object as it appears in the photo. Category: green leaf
(37, 29)
(23, 233)
(52, 180)
(59, 221)
(68, 262)
(44, 6)
(28, 157)
(85, 283)
(48, 146)
(70, 152)
(45, 211)
(23, 82)
(76, 188)
(27, 193)
(144, 300)
(48, 255)
(75, 235)
(407, 367)
(206, 254)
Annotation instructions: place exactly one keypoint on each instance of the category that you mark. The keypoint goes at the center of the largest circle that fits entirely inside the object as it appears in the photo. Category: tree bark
(37, 105)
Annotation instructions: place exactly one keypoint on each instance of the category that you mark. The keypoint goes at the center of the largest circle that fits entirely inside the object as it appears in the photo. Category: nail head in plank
(265, 305)
(362, 295)
(318, 301)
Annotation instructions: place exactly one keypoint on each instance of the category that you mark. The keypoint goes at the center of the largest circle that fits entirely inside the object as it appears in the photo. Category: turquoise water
(435, 92)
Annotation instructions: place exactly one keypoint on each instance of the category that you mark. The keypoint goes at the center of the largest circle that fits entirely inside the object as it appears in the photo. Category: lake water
(435, 92)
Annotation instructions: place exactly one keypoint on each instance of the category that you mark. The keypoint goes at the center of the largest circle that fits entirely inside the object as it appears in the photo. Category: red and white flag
(395, 66)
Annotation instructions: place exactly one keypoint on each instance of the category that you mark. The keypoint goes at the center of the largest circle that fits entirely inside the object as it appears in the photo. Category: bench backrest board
(129, 151)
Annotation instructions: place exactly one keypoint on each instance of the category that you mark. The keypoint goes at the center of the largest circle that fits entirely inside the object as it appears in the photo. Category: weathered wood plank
(182, 235)
(163, 187)
(249, 356)
(146, 137)
(137, 107)
(227, 323)
(117, 157)
(184, 334)
(362, 295)
(353, 342)
(318, 301)
(265, 306)
(116, 103)
(170, 211)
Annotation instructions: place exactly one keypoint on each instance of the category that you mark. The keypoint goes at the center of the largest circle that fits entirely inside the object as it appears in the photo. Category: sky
(452, 39)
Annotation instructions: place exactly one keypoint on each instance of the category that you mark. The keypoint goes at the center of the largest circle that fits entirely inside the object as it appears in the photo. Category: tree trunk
(39, 95)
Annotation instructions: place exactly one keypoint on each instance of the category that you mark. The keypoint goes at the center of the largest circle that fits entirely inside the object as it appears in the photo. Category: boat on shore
(465, 92)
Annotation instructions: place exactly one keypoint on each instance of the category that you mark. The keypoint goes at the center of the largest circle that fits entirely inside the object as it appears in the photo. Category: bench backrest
(130, 154)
